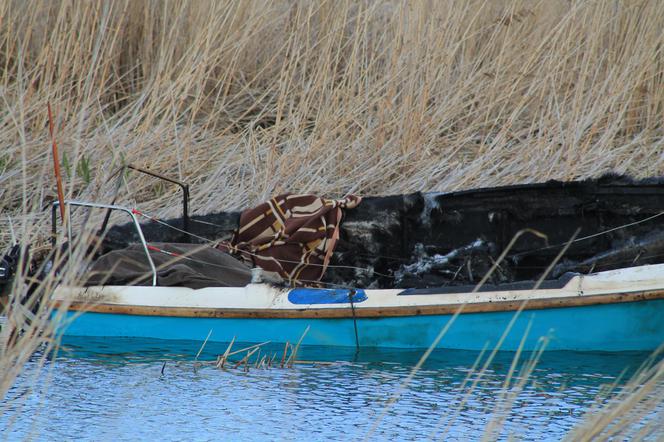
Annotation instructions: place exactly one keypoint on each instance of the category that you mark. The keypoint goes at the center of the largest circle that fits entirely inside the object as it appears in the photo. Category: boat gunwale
(364, 312)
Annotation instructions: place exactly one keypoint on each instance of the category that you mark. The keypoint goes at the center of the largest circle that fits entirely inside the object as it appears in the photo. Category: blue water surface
(124, 389)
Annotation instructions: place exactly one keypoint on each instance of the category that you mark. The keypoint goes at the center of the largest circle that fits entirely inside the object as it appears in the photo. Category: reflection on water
(110, 389)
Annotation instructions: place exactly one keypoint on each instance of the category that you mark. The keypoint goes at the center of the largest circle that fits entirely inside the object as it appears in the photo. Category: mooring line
(352, 293)
(583, 238)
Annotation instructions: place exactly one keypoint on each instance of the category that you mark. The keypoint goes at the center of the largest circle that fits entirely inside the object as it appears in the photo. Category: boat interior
(430, 242)
(450, 241)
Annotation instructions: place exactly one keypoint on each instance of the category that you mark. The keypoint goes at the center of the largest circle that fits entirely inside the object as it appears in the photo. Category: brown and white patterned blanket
(292, 235)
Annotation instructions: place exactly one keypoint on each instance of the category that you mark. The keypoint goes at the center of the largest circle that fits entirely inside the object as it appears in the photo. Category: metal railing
(109, 207)
(184, 186)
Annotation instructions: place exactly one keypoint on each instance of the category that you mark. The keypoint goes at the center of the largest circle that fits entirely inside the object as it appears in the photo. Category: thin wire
(621, 261)
(214, 243)
(394, 258)
(351, 293)
(181, 256)
(157, 220)
(206, 222)
(189, 258)
(331, 284)
(583, 238)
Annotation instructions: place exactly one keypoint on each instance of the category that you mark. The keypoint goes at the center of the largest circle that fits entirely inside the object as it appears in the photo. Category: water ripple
(97, 396)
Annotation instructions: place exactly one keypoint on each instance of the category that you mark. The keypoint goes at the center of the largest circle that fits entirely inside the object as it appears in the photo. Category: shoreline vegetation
(246, 99)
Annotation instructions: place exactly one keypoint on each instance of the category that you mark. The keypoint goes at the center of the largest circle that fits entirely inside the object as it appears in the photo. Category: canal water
(146, 389)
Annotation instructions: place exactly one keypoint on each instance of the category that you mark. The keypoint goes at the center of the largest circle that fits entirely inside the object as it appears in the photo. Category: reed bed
(245, 99)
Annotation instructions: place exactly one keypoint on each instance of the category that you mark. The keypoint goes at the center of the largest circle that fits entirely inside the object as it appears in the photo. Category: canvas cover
(183, 265)
(291, 237)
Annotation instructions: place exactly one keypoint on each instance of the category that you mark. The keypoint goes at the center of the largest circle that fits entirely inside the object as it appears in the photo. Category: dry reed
(244, 99)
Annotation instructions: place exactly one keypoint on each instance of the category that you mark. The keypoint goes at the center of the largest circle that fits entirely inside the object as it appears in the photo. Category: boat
(554, 266)
(615, 310)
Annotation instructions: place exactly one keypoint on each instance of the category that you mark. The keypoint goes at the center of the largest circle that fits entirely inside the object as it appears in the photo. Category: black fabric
(198, 267)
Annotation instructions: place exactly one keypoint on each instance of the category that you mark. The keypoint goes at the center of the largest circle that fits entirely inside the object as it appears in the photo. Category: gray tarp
(203, 267)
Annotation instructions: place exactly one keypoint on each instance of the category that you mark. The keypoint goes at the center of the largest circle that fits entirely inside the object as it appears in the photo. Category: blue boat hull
(606, 327)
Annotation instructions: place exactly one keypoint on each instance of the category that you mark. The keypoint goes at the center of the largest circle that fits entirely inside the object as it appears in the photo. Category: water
(152, 390)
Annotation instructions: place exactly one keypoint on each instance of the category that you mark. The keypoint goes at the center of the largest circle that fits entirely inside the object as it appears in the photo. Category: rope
(352, 293)
(181, 256)
(163, 223)
(215, 243)
(206, 222)
(583, 238)
(188, 258)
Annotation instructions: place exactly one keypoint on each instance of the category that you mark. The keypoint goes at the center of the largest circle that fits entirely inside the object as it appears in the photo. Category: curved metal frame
(184, 186)
(109, 207)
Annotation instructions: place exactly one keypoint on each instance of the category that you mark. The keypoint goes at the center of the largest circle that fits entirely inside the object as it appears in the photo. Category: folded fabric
(292, 235)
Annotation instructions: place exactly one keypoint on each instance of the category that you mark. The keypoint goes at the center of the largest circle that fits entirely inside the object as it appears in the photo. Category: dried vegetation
(244, 99)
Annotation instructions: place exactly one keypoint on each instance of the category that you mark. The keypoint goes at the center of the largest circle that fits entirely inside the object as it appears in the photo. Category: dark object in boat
(440, 239)
(189, 265)
(9, 266)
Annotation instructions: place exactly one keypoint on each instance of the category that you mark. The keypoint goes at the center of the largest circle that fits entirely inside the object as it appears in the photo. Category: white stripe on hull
(263, 296)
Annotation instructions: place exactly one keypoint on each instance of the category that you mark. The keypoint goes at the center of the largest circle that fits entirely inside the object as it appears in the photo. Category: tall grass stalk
(246, 98)
(634, 413)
